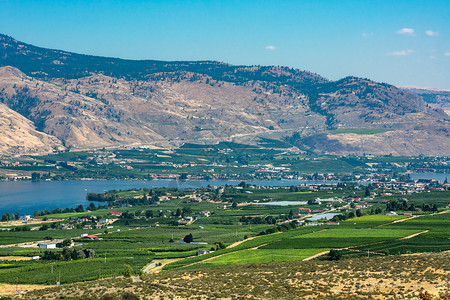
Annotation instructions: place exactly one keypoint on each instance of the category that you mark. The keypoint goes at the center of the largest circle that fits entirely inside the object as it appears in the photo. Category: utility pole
(105, 258)
(59, 278)
(99, 272)
(52, 269)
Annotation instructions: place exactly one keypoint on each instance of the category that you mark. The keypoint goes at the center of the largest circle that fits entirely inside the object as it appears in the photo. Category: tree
(127, 270)
(334, 255)
(79, 208)
(35, 176)
(188, 238)
(187, 210)
(66, 243)
(358, 213)
(6, 217)
(149, 214)
(89, 253)
(234, 205)
(91, 206)
(367, 192)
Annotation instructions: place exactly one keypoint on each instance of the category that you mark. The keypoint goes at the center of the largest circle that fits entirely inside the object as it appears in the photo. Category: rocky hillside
(86, 102)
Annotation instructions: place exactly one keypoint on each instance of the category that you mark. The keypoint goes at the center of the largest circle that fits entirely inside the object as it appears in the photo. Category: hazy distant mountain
(86, 102)
(434, 97)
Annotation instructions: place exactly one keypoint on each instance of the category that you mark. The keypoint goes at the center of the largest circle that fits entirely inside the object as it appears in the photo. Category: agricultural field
(229, 220)
(392, 277)
(225, 160)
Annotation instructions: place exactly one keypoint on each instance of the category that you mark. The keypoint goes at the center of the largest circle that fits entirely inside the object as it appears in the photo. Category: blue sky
(395, 41)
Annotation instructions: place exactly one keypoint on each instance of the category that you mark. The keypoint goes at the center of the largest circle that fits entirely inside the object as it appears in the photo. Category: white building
(47, 246)
(24, 217)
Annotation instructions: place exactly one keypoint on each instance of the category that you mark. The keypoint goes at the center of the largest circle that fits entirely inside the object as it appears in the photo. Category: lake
(26, 197)
(434, 176)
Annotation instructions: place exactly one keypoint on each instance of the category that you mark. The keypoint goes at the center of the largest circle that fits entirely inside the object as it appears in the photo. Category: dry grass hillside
(393, 277)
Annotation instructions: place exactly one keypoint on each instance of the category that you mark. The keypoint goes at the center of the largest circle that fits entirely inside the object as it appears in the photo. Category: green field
(358, 131)
(252, 256)
(340, 238)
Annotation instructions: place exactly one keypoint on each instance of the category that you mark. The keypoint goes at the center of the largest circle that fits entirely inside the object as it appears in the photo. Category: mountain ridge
(89, 102)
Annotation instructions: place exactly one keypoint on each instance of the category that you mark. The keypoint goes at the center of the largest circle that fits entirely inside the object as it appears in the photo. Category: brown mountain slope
(18, 135)
(101, 111)
(91, 102)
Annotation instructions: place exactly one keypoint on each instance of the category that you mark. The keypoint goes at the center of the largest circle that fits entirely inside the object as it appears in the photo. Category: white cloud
(367, 34)
(271, 47)
(432, 57)
(407, 31)
(447, 53)
(431, 33)
(401, 52)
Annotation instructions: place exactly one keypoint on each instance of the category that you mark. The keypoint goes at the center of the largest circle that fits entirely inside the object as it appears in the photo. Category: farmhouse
(24, 217)
(332, 223)
(90, 237)
(47, 246)
(115, 214)
(201, 252)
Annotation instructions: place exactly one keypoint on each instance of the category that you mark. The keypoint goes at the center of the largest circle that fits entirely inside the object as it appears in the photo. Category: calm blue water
(434, 176)
(27, 196)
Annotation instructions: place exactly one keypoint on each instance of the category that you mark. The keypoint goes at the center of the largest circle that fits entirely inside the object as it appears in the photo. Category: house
(104, 221)
(313, 224)
(115, 214)
(304, 210)
(391, 213)
(332, 223)
(35, 257)
(47, 246)
(87, 227)
(90, 237)
(24, 217)
(98, 226)
(201, 252)
(205, 213)
(67, 226)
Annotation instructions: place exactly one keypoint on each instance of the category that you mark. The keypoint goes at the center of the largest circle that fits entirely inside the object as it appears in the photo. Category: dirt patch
(14, 258)
(413, 235)
(10, 289)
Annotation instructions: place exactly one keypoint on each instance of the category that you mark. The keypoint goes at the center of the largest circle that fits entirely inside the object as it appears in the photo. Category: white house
(47, 246)
(24, 217)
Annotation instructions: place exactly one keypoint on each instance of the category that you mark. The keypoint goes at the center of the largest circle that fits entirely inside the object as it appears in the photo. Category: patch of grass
(357, 131)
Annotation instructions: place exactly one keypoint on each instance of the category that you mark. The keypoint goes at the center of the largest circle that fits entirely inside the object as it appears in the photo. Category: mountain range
(53, 100)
